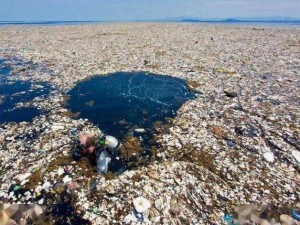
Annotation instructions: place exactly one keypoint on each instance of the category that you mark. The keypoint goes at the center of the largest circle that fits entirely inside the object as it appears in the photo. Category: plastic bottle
(102, 162)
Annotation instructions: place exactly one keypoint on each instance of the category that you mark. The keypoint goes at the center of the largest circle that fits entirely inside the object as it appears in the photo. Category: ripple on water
(121, 101)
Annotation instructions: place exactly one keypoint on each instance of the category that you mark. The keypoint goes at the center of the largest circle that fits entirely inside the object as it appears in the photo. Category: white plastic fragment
(24, 182)
(269, 156)
(57, 126)
(38, 189)
(141, 204)
(140, 130)
(60, 171)
(67, 179)
(112, 142)
(24, 176)
(296, 155)
(130, 218)
(41, 201)
(46, 185)
(86, 205)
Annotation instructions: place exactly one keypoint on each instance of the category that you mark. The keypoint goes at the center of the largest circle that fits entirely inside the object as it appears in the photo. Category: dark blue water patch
(14, 92)
(13, 66)
(119, 102)
(19, 115)
(4, 69)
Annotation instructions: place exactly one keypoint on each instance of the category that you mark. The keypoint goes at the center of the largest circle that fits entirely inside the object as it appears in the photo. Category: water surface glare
(122, 101)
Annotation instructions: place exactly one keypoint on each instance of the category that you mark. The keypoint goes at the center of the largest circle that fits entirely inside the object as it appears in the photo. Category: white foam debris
(269, 156)
(141, 204)
(67, 179)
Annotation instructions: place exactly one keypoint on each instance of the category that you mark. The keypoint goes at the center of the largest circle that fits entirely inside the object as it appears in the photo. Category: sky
(127, 10)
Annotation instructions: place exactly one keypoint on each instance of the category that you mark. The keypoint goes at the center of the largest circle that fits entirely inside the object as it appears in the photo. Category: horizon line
(154, 20)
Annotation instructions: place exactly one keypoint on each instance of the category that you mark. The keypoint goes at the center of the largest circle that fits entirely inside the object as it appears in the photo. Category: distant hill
(213, 20)
(230, 20)
(233, 20)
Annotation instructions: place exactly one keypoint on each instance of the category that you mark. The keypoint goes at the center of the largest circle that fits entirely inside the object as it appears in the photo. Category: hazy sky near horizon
(116, 10)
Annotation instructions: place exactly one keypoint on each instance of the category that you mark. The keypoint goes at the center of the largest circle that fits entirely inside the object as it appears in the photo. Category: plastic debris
(140, 130)
(295, 213)
(228, 218)
(24, 176)
(296, 155)
(253, 75)
(60, 171)
(95, 210)
(67, 179)
(141, 204)
(138, 216)
(74, 132)
(231, 144)
(16, 187)
(59, 187)
(102, 162)
(112, 143)
(57, 127)
(269, 156)
(46, 185)
(86, 205)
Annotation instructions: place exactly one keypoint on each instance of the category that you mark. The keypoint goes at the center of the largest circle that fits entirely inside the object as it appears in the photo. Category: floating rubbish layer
(248, 106)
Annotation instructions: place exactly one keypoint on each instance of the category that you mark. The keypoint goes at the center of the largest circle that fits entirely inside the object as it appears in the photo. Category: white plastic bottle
(102, 162)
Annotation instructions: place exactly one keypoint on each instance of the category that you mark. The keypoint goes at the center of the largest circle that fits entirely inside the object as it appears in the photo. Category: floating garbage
(140, 130)
(269, 156)
(60, 171)
(141, 204)
(229, 219)
(103, 161)
(111, 142)
(58, 126)
(296, 155)
(138, 216)
(178, 52)
(295, 213)
(95, 210)
(67, 179)
(16, 187)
